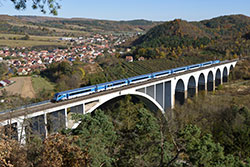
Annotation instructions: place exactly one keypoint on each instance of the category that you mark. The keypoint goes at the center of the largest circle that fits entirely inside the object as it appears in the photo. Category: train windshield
(56, 95)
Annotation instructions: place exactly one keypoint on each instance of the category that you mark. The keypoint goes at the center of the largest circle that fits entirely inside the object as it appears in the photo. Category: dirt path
(22, 86)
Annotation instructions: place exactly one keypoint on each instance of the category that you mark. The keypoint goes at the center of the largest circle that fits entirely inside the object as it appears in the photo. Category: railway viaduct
(158, 93)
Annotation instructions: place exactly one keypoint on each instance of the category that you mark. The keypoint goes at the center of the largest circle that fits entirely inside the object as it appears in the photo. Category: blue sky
(157, 10)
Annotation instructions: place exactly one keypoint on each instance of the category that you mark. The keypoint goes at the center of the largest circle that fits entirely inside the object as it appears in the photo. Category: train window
(194, 66)
(119, 83)
(179, 69)
(80, 92)
(109, 85)
(139, 79)
(162, 73)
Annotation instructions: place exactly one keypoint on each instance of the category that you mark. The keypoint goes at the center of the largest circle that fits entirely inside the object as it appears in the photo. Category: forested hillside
(44, 26)
(225, 36)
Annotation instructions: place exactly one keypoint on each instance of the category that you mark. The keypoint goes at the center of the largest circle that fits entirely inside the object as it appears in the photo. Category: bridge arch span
(148, 100)
(210, 81)
(141, 95)
(218, 77)
(225, 75)
(231, 68)
(180, 92)
(201, 82)
(191, 89)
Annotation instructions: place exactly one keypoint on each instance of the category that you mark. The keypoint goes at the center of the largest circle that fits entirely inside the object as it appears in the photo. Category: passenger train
(119, 83)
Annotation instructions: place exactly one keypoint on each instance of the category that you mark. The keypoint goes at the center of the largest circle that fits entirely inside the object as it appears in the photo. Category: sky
(156, 10)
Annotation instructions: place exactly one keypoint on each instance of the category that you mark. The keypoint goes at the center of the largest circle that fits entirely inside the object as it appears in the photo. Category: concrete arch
(217, 77)
(139, 94)
(201, 82)
(210, 81)
(180, 92)
(225, 75)
(191, 91)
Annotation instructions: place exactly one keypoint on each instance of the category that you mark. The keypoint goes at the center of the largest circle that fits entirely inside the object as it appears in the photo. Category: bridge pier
(185, 94)
(46, 124)
(21, 132)
(66, 118)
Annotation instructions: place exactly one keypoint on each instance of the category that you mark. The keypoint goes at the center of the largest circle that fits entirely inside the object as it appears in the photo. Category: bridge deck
(30, 110)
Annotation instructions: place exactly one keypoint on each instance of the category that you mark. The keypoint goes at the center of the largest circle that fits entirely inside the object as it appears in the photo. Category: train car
(101, 87)
(161, 73)
(59, 97)
(193, 66)
(111, 85)
(206, 63)
(74, 93)
(175, 70)
(81, 91)
(139, 78)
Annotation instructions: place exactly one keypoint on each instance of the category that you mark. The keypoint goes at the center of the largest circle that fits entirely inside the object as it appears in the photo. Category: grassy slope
(40, 84)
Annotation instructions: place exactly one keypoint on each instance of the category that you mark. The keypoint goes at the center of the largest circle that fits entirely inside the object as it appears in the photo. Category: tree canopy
(43, 5)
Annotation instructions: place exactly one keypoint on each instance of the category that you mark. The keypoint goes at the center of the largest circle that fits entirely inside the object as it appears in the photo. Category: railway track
(32, 108)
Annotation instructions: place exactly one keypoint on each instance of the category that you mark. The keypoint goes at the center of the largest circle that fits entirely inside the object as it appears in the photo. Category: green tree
(201, 150)
(232, 130)
(141, 139)
(52, 5)
(96, 138)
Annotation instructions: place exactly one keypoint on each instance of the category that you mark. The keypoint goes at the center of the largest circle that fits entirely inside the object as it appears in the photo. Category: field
(22, 86)
(33, 41)
(124, 69)
(41, 84)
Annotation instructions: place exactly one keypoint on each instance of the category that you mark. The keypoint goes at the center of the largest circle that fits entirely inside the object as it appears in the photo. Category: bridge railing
(25, 106)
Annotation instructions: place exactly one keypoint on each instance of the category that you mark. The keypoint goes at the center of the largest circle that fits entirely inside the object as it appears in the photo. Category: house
(8, 81)
(129, 58)
(3, 84)
(22, 71)
(141, 58)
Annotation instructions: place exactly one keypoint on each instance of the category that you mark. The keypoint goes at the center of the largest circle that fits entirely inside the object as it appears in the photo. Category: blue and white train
(69, 94)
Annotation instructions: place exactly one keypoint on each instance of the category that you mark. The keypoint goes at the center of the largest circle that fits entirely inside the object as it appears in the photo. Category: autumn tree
(60, 151)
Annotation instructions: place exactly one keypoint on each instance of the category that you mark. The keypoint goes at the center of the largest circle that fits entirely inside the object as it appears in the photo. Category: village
(23, 61)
